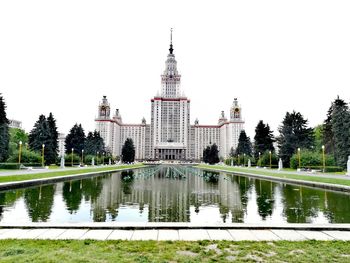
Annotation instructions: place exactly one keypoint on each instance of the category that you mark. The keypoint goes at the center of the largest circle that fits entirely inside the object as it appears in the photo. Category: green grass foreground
(24, 177)
(172, 251)
(311, 178)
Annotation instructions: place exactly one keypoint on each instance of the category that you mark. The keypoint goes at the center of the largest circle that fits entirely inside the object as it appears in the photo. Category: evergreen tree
(39, 135)
(341, 132)
(294, 134)
(206, 153)
(213, 154)
(94, 143)
(244, 144)
(328, 136)
(4, 131)
(75, 139)
(51, 146)
(263, 139)
(128, 151)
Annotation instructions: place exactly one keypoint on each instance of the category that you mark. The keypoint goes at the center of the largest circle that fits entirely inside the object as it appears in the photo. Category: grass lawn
(23, 177)
(312, 178)
(172, 251)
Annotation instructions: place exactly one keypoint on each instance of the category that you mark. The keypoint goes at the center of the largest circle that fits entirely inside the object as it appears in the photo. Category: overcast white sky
(274, 56)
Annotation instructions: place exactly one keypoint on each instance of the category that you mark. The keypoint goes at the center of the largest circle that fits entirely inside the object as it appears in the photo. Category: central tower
(170, 115)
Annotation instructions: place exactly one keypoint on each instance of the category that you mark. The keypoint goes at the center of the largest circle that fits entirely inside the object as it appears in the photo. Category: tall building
(169, 136)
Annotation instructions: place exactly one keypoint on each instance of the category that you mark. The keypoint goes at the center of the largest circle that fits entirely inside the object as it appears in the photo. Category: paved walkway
(173, 234)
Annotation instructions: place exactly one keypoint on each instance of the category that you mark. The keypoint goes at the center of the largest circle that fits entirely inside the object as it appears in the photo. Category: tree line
(297, 138)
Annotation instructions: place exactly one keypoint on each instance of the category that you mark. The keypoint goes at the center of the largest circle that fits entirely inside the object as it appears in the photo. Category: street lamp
(97, 158)
(270, 159)
(259, 158)
(42, 157)
(103, 159)
(244, 160)
(19, 152)
(239, 161)
(299, 157)
(323, 159)
(72, 156)
(82, 157)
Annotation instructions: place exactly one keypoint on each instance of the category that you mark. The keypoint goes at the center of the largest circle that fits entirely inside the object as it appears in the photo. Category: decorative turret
(222, 118)
(117, 117)
(143, 121)
(236, 111)
(104, 109)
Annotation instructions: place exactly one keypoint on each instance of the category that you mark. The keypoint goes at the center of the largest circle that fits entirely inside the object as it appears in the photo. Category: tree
(341, 132)
(214, 154)
(128, 151)
(206, 153)
(4, 131)
(211, 154)
(244, 144)
(263, 139)
(294, 134)
(16, 136)
(39, 135)
(318, 138)
(75, 139)
(51, 145)
(328, 135)
(94, 143)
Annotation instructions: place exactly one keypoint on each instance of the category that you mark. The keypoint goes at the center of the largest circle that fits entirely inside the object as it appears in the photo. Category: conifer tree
(294, 134)
(4, 131)
(244, 144)
(128, 151)
(263, 139)
(51, 146)
(328, 136)
(94, 143)
(206, 153)
(39, 135)
(341, 133)
(213, 154)
(75, 139)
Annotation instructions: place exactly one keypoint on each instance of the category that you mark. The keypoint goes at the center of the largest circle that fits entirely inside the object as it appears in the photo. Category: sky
(274, 56)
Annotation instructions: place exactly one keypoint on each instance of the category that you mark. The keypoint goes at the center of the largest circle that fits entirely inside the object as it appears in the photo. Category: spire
(171, 41)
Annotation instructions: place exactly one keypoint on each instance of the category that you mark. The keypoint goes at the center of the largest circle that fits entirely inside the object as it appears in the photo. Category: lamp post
(97, 158)
(20, 152)
(299, 157)
(323, 159)
(259, 158)
(239, 161)
(82, 157)
(270, 159)
(72, 156)
(42, 157)
(103, 159)
(244, 160)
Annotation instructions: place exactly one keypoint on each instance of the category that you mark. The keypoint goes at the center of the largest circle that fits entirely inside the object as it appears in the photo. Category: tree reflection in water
(177, 194)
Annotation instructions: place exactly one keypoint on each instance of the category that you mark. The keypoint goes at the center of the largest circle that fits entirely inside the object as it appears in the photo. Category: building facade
(170, 135)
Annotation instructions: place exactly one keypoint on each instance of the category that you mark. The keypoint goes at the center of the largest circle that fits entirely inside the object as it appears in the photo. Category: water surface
(173, 194)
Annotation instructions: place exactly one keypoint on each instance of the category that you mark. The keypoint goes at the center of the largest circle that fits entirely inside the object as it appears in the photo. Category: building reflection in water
(174, 194)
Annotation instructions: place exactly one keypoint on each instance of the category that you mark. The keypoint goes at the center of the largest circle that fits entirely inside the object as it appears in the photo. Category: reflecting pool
(173, 194)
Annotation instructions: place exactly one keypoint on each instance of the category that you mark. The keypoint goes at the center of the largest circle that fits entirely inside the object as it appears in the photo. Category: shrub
(310, 159)
(27, 156)
(10, 166)
(265, 160)
(68, 159)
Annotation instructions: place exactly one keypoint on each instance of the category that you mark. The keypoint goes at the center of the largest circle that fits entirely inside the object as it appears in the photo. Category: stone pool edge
(176, 226)
(57, 179)
(327, 186)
